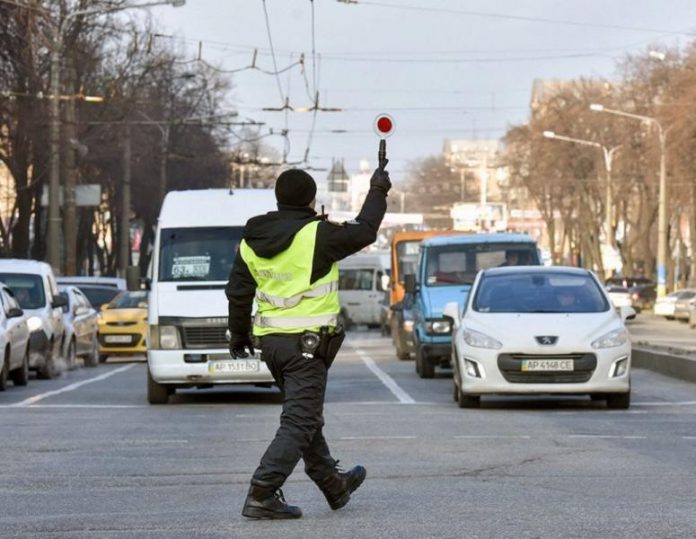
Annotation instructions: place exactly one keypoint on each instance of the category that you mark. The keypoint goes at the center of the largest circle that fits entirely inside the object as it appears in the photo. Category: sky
(441, 68)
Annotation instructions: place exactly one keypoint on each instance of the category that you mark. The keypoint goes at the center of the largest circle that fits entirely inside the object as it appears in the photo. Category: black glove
(239, 347)
(380, 178)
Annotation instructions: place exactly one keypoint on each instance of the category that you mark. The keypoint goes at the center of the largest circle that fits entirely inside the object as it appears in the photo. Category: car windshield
(198, 254)
(129, 300)
(407, 257)
(459, 263)
(27, 288)
(535, 292)
(99, 295)
(355, 279)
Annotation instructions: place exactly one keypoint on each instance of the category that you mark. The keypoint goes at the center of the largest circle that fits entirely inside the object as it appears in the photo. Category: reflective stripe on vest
(292, 322)
(317, 292)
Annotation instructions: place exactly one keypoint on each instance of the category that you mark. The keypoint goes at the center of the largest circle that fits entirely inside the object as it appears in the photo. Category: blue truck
(446, 269)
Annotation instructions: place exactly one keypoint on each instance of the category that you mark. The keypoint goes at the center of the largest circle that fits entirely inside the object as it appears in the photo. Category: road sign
(384, 125)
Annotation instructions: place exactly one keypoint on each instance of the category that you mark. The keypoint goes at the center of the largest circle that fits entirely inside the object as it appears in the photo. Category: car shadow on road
(561, 404)
(227, 395)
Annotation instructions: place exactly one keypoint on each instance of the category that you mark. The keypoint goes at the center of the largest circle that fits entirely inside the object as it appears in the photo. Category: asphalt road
(85, 456)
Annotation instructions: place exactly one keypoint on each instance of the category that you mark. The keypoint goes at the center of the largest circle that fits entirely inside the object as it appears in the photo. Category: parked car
(643, 297)
(620, 296)
(683, 304)
(540, 331)
(81, 328)
(664, 306)
(123, 326)
(14, 341)
(36, 291)
(99, 295)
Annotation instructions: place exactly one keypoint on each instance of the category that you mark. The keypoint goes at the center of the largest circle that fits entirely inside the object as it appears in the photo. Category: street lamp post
(54, 220)
(662, 193)
(608, 154)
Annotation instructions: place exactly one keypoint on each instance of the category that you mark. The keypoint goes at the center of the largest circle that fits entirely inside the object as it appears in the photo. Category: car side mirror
(628, 313)
(384, 282)
(81, 311)
(15, 312)
(397, 307)
(410, 283)
(59, 301)
(451, 310)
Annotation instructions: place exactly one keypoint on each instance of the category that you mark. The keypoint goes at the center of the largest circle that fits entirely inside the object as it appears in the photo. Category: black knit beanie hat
(295, 187)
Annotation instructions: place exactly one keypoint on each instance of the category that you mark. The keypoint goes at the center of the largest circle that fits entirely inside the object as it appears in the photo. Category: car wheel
(4, 371)
(103, 358)
(669, 317)
(72, 356)
(425, 368)
(47, 371)
(400, 353)
(20, 376)
(157, 393)
(455, 392)
(468, 401)
(619, 401)
(92, 359)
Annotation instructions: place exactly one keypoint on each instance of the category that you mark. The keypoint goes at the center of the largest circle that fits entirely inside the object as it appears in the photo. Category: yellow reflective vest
(286, 301)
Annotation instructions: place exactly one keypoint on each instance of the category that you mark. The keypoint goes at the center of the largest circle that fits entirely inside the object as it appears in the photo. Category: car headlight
(480, 340)
(164, 337)
(34, 323)
(616, 337)
(438, 327)
(408, 326)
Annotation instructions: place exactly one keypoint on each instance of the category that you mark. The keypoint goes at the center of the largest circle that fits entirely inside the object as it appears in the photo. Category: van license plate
(233, 365)
(547, 365)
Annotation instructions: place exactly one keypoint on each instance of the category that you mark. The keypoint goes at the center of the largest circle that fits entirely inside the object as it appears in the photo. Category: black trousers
(303, 384)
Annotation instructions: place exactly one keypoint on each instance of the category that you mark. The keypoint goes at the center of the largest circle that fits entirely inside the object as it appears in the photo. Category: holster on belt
(330, 344)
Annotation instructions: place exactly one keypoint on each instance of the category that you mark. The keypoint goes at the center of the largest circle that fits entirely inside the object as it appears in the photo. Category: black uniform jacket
(272, 233)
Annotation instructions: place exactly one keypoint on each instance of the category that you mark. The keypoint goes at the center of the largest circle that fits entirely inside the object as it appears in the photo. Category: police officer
(287, 261)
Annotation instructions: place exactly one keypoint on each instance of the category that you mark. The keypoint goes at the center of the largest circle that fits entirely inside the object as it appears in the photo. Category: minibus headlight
(164, 337)
(438, 327)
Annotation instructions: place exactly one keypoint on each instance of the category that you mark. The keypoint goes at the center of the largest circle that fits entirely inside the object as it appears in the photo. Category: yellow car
(123, 326)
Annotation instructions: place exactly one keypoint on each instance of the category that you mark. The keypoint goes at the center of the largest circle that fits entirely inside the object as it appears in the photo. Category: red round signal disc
(384, 125)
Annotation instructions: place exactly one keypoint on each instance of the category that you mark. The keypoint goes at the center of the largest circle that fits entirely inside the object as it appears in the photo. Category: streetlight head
(549, 134)
(177, 3)
(657, 55)
(596, 107)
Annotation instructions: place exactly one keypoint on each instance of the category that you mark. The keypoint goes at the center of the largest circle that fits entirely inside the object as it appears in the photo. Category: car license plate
(117, 339)
(233, 366)
(547, 365)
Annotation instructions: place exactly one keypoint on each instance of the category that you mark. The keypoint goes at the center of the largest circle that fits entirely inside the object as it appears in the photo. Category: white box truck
(198, 234)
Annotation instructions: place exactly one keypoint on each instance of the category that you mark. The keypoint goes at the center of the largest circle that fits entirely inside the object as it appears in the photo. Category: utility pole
(70, 171)
(124, 228)
(164, 152)
(53, 233)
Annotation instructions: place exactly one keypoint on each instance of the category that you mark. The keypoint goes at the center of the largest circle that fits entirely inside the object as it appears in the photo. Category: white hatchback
(540, 330)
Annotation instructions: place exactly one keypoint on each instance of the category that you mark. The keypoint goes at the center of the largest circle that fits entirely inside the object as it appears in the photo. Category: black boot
(338, 485)
(266, 502)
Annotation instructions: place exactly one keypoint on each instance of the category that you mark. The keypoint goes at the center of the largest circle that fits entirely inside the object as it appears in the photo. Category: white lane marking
(661, 403)
(86, 406)
(688, 437)
(491, 436)
(378, 438)
(72, 387)
(388, 381)
(607, 436)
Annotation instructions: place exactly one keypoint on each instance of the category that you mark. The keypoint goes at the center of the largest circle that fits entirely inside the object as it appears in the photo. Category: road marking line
(689, 437)
(378, 437)
(607, 436)
(388, 381)
(72, 387)
(682, 403)
(491, 436)
(86, 406)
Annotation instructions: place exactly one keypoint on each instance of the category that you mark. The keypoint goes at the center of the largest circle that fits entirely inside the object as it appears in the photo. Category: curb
(671, 364)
